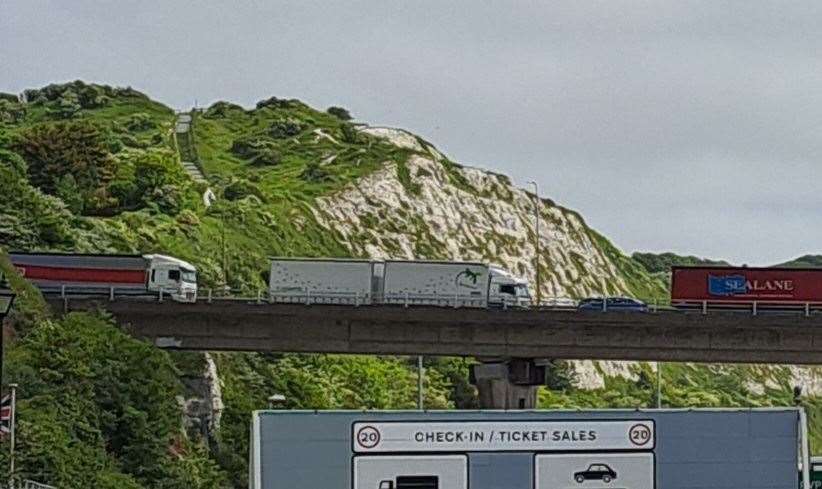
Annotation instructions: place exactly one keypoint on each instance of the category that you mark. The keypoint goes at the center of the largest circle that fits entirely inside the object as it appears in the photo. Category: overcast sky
(691, 126)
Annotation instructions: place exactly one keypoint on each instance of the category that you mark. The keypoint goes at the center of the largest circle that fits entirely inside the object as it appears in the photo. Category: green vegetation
(90, 168)
(96, 408)
(662, 262)
(806, 261)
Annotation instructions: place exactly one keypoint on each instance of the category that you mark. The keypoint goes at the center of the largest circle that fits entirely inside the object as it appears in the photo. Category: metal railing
(310, 297)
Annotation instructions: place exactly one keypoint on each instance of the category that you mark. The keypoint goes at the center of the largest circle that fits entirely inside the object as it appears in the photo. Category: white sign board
(595, 471)
(472, 436)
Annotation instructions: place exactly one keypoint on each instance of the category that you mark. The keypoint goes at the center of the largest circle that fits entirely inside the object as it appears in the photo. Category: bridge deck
(663, 336)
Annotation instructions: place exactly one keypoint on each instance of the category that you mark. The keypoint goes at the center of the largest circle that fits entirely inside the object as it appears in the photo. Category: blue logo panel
(726, 285)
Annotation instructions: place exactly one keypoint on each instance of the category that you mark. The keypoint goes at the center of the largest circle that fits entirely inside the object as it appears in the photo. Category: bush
(11, 112)
(75, 148)
(284, 128)
(141, 176)
(315, 173)
(350, 134)
(274, 103)
(339, 113)
(241, 188)
(67, 106)
(29, 219)
(13, 161)
(220, 110)
(259, 150)
(140, 122)
(87, 95)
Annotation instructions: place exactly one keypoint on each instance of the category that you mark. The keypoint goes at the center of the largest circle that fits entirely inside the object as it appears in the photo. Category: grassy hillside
(806, 261)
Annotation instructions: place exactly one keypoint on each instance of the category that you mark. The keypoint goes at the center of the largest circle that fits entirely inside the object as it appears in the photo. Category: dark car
(595, 472)
(624, 304)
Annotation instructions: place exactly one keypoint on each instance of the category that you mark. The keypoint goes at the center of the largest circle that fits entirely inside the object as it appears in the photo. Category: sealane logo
(726, 285)
(730, 285)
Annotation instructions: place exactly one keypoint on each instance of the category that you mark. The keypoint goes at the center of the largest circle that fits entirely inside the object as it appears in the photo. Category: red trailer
(76, 273)
(743, 286)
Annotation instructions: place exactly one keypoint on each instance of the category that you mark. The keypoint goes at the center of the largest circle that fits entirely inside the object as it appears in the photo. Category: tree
(75, 148)
(339, 113)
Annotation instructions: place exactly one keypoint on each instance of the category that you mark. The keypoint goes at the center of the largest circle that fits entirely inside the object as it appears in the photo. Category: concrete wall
(697, 449)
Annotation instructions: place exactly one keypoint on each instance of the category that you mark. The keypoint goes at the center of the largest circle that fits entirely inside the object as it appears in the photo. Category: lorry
(734, 287)
(76, 273)
(364, 282)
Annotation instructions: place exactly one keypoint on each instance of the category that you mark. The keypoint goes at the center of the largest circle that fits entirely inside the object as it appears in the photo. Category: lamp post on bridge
(536, 241)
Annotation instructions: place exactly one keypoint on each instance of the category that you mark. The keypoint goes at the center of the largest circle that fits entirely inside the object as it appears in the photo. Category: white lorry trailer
(328, 281)
(436, 283)
(76, 273)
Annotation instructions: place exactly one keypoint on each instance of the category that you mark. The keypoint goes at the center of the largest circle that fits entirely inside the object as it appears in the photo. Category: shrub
(68, 191)
(75, 148)
(284, 128)
(67, 106)
(220, 110)
(12, 160)
(313, 172)
(141, 173)
(29, 219)
(11, 112)
(273, 102)
(259, 150)
(140, 122)
(350, 134)
(239, 189)
(339, 113)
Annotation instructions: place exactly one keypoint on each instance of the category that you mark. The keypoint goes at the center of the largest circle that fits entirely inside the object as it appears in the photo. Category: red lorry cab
(738, 285)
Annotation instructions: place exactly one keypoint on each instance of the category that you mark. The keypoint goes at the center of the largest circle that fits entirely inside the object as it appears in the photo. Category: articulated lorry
(96, 274)
(433, 283)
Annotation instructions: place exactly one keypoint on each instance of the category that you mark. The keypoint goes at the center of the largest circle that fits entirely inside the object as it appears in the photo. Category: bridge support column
(508, 384)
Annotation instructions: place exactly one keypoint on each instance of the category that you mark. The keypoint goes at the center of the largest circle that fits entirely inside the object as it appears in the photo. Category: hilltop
(91, 168)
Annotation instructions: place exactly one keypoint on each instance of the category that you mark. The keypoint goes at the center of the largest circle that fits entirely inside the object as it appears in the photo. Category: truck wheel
(580, 479)
(606, 478)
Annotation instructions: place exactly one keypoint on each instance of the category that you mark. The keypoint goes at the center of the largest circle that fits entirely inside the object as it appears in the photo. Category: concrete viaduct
(237, 325)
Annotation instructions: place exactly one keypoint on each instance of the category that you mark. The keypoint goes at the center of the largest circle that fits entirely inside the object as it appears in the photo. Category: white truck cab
(507, 289)
(173, 276)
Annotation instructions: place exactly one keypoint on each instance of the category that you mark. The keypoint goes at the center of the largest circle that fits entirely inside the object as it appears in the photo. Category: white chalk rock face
(443, 211)
(430, 208)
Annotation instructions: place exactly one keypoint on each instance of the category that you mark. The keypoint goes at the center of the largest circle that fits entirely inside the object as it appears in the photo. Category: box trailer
(329, 281)
(436, 283)
(743, 286)
(75, 273)
(584, 449)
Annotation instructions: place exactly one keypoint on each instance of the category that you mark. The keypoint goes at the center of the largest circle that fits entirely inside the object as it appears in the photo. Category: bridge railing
(308, 297)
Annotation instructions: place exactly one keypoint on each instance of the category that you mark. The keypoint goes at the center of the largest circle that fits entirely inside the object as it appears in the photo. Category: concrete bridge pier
(510, 383)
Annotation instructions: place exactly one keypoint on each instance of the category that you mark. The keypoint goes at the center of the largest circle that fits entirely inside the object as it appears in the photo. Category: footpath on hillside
(188, 154)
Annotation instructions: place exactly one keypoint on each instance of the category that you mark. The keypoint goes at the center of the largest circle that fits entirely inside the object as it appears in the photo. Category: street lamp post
(536, 241)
